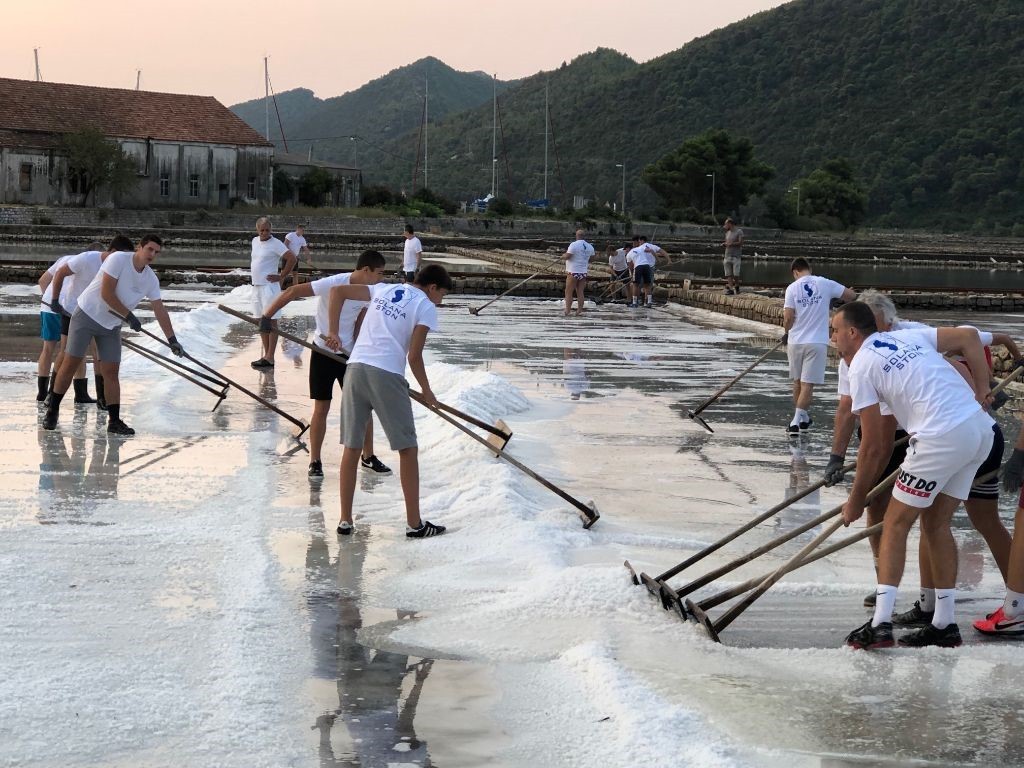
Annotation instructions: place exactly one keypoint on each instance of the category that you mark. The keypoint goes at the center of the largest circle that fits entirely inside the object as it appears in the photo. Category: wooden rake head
(697, 417)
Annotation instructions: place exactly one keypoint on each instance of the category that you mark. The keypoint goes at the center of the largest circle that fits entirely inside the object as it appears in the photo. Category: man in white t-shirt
(619, 268)
(411, 254)
(642, 259)
(72, 277)
(394, 330)
(805, 321)
(733, 244)
(122, 282)
(577, 263)
(325, 371)
(296, 242)
(267, 252)
(951, 435)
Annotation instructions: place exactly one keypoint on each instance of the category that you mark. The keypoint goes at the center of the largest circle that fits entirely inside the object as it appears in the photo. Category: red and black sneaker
(997, 624)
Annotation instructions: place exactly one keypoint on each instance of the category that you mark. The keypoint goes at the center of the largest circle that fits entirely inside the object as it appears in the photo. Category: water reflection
(378, 691)
(575, 373)
(73, 483)
(807, 508)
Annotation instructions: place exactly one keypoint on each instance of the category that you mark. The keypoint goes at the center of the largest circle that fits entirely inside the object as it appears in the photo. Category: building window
(193, 185)
(250, 188)
(25, 177)
(165, 185)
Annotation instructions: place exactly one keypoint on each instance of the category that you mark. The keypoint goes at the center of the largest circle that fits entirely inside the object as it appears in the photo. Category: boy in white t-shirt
(394, 330)
(412, 253)
(122, 282)
(325, 371)
(297, 243)
(267, 251)
(805, 316)
(577, 262)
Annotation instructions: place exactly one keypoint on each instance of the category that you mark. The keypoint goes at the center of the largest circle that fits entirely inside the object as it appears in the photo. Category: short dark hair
(636, 238)
(800, 264)
(409, 229)
(859, 315)
(434, 274)
(371, 259)
(121, 243)
(147, 239)
(642, 238)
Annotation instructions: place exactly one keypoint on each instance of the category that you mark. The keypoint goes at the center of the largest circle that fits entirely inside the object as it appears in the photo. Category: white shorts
(807, 362)
(945, 464)
(263, 296)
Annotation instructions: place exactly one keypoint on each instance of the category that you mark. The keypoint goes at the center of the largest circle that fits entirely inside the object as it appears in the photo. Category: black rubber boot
(43, 383)
(82, 391)
(52, 411)
(101, 398)
(114, 424)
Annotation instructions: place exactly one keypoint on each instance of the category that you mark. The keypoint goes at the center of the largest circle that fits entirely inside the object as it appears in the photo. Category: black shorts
(65, 324)
(643, 274)
(899, 453)
(323, 372)
(622, 275)
(989, 489)
(409, 276)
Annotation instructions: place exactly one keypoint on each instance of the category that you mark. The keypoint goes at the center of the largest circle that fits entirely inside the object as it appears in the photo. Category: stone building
(190, 151)
(345, 190)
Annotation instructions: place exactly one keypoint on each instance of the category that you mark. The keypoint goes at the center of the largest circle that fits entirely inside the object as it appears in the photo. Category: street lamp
(355, 151)
(622, 165)
(712, 177)
(797, 188)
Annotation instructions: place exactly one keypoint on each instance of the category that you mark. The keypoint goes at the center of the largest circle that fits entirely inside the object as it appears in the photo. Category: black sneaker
(118, 427)
(372, 462)
(806, 424)
(261, 363)
(793, 430)
(345, 529)
(867, 638)
(870, 600)
(316, 469)
(929, 634)
(425, 530)
(915, 617)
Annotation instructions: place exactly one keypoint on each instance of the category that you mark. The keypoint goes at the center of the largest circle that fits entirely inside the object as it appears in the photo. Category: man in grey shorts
(122, 282)
(733, 243)
(805, 317)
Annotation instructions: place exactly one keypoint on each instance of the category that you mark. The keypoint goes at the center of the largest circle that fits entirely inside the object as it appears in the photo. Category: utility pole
(712, 177)
(494, 140)
(35, 52)
(547, 125)
(138, 78)
(266, 105)
(426, 103)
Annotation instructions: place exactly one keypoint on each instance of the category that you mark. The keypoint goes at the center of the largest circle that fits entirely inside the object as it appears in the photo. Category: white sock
(945, 600)
(1013, 604)
(927, 599)
(796, 418)
(885, 601)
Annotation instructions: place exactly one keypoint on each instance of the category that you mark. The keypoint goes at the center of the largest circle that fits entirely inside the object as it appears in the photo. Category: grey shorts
(807, 362)
(373, 390)
(732, 266)
(84, 329)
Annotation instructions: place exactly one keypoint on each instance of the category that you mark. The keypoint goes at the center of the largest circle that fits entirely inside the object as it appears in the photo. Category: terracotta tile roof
(26, 105)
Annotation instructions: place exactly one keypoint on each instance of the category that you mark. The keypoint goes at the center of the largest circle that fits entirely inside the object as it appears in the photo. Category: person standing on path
(297, 244)
(642, 259)
(325, 371)
(267, 251)
(733, 244)
(805, 322)
(1008, 619)
(619, 268)
(123, 281)
(577, 263)
(412, 253)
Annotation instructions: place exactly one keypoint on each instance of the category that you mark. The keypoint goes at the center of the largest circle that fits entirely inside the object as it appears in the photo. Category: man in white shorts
(394, 331)
(577, 263)
(412, 252)
(267, 252)
(123, 281)
(951, 435)
(325, 371)
(805, 321)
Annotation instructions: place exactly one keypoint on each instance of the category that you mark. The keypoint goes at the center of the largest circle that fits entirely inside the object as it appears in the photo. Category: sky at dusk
(216, 47)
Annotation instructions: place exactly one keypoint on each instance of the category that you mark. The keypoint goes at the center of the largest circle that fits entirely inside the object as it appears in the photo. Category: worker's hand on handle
(176, 348)
(834, 471)
(332, 341)
(56, 308)
(853, 509)
(429, 399)
(133, 322)
(266, 324)
(1013, 472)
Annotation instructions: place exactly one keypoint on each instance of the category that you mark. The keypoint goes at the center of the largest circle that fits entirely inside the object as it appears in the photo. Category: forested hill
(924, 97)
(377, 112)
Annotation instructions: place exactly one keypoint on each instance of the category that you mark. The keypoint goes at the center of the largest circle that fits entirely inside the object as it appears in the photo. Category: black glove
(1013, 472)
(834, 471)
(999, 399)
(176, 348)
(56, 308)
(266, 324)
(785, 338)
(133, 322)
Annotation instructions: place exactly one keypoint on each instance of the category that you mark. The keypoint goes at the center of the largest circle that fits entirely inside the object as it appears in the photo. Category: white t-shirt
(394, 311)
(413, 246)
(617, 260)
(904, 370)
(48, 293)
(349, 311)
(641, 256)
(295, 242)
(809, 297)
(132, 287)
(84, 268)
(582, 252)
(266, 255)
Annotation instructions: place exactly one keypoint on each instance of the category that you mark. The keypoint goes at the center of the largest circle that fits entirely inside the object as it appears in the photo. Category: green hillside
(390, 106)
(924, 97)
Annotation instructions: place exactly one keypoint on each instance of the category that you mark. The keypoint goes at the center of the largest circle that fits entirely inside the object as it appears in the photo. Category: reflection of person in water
(575, 371)
(379, 727)
(809, 507)
(67, 492)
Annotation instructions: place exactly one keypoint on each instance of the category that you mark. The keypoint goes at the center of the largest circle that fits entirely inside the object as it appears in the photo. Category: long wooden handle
(477, 310)
(733, 381)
